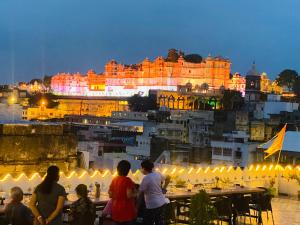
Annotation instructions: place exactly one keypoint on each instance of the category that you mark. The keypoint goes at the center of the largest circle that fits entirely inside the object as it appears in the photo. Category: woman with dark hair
(122, 191)
(82, 211)
(48, 199)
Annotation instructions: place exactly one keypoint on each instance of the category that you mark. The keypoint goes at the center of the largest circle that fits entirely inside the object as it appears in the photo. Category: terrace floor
(286, 212)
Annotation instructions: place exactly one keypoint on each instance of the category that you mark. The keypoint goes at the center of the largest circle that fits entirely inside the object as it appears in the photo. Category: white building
(142, 148)
(126, 115)
(234, 149)
(273, 105)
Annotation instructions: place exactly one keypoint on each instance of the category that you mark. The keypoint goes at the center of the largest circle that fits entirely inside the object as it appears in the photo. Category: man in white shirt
(151, 188)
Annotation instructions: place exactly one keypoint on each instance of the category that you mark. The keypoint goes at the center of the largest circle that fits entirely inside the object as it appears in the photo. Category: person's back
(18, 214)
(123, 208)
(82, 212)
(151, 187)
(48, 199)
(122, 191)
(46, 203)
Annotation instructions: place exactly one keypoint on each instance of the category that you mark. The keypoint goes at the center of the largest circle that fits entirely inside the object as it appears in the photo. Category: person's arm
(166, 182)
(34, 210)
(59, 208)
(110, 193)
(131, 193)
(5, 208)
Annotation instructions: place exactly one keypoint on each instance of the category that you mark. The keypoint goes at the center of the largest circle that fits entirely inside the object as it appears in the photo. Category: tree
(47, 81)
(172, 55)
(232, 100)
(204, 87)
(287, 78)
(202, 210)
(38, 99)
(138, 103)
(193, 58)
(296, 88)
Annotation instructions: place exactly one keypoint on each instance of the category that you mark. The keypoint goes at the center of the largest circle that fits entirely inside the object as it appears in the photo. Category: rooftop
(291, 142)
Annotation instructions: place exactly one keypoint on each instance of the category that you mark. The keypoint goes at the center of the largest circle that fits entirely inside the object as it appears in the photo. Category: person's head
(147, 166)
(81, 191)
(53, 173)
(16, 194)
(52, 177)
(123, 168)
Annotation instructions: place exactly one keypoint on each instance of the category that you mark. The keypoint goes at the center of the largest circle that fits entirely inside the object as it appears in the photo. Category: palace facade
(127, 80)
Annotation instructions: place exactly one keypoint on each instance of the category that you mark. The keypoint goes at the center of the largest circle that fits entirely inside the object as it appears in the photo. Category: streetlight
(12, 100)
(43, 102)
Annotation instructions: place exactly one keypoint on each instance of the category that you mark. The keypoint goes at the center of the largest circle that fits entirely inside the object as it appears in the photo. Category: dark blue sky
(48, 36)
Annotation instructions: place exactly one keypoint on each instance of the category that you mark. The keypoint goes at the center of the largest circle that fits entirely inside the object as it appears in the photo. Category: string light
(19, 177)
(173, 171)
(164, 170)
(34, 176)
(229, 169)
(84, 172)
(106, 172)
(251, 167)
(270, 167)
(190, 170)
(222, 168)
(5, 177)
(94, 174)
(257, 167)
(206, 170)
(289, 167)
(215, 169)
(71, 174)
(199, 169)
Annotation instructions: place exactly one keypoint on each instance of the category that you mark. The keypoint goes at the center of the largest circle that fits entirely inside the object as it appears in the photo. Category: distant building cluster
(199, 113)
(127, 80)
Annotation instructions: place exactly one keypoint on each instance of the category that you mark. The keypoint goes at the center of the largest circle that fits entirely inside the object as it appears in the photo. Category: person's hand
(47, 221)
(41, 220)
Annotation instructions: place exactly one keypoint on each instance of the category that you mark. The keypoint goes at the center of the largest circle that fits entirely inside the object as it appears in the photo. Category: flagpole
(278, 158)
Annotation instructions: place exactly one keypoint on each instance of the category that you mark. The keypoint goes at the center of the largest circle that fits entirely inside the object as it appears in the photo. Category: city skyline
(48, 37)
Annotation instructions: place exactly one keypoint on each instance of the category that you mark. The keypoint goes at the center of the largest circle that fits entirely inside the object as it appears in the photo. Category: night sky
(40, 37)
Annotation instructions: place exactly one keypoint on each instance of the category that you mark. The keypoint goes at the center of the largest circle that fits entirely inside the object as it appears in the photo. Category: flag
(277, 143)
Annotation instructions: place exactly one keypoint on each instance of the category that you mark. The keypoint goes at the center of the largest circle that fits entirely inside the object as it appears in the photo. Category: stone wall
(33, 147)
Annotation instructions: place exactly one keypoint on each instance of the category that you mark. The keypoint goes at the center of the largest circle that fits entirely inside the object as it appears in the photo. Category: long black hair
(52, 177)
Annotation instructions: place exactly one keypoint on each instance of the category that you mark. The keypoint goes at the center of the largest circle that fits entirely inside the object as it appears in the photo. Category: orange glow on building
(126, 80)
(238, 83)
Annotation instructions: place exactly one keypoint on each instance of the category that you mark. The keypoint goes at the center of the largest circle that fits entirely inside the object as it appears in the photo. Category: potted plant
(180, 183)
(202, 210)
(297, 178)
(217, 179)
(271, 189)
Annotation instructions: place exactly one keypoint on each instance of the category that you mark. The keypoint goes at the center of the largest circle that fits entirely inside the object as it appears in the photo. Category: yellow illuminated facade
(91, 107)
(268, 86)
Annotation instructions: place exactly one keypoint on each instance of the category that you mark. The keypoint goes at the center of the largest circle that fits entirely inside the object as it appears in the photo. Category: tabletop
(215, 193)
(179, 193)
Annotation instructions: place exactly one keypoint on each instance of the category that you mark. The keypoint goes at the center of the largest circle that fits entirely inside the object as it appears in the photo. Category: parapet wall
(253, 176)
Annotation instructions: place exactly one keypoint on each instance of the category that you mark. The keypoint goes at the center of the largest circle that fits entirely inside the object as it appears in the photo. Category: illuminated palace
(126, 80)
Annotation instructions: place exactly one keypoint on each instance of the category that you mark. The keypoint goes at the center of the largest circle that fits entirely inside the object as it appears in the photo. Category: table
(177, 195)
(183, 194)
(216, 193)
